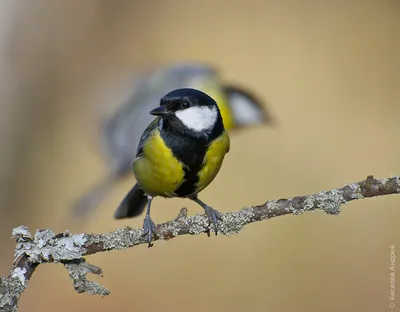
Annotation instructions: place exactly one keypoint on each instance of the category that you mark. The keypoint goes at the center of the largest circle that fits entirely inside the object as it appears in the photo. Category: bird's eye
(185, 104)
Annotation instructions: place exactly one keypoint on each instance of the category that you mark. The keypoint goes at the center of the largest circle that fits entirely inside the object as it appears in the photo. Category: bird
(121, 132)
(179, 155)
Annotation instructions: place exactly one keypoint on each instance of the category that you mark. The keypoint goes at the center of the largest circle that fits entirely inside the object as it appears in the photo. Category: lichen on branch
(70, 250)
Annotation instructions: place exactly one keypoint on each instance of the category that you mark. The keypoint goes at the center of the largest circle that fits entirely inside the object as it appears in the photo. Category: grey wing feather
(149, 130)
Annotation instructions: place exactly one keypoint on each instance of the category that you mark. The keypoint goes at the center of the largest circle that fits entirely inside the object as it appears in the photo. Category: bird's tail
(132, 205)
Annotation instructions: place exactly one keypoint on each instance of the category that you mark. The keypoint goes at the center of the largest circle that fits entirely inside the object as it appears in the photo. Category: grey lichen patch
(120, 238)
(79, 240)
(44, 247)
(356, 191)
(10, 290)
(197, 224)
(384, 181)
(310, 203)
(234, 222)
(273, 206)
(42, 237)
(78, 270)
(20, 275)
(175, 227)
(330, 201)
(69, 248)
(24, 237)
(388, 186)
(289, 206)
(21, 232)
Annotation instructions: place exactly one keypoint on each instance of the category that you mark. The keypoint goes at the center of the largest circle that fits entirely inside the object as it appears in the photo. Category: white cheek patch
(198, 118)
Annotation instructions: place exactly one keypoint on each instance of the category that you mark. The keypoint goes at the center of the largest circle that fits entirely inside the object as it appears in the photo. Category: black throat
(189, 148)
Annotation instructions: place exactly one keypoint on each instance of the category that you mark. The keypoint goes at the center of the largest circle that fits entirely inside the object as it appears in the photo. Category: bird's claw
(213, 217)
(149, 230)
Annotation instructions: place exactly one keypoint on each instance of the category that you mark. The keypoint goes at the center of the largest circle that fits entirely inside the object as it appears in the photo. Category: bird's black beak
(160, 111)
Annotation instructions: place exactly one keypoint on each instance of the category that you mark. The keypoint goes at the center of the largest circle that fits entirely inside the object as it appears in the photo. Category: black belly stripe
(190, 150)
(188, 187)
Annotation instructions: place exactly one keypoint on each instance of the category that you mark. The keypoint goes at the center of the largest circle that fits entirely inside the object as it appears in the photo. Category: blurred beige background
(330, 73)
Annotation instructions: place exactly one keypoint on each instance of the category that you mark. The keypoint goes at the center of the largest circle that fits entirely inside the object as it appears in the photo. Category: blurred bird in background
(121, 133)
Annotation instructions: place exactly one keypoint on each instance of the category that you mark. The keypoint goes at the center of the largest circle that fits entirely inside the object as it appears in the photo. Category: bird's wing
(149, 130)
(246, 107)
(121, 132)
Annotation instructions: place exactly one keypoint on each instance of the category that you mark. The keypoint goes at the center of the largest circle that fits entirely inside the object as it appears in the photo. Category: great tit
(179, 154)
(121, 133)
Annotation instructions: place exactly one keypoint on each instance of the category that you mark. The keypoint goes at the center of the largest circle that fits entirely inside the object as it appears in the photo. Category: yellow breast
(213, 161)
(157, 171)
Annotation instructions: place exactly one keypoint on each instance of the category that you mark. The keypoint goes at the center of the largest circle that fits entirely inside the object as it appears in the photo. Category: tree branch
(48, 247)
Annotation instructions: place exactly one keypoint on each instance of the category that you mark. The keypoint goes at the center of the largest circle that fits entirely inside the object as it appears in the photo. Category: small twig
(47, 247)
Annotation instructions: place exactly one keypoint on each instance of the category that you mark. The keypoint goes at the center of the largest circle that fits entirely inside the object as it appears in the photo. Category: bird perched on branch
(121, 133)
(179, 154)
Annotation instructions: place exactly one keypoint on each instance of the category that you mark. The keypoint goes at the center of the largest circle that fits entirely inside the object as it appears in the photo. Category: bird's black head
(189, 111)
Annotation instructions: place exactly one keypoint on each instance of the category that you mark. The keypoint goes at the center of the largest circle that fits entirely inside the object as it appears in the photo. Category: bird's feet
(149, 230)
(213, 217)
